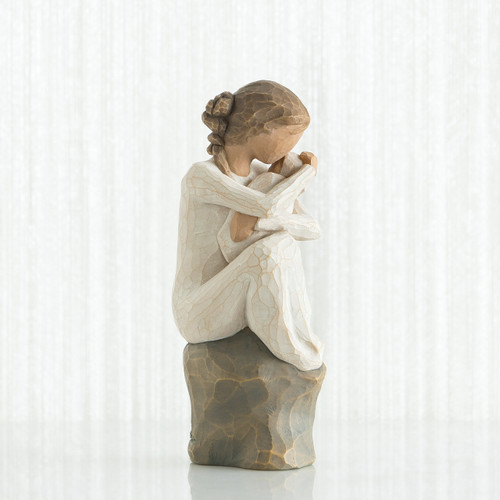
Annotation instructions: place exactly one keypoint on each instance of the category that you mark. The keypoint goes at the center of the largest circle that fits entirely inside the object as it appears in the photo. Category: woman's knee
(276, 249)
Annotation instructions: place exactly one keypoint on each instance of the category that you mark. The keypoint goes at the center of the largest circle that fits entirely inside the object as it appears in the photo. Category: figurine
(239, 271)
(264, 287)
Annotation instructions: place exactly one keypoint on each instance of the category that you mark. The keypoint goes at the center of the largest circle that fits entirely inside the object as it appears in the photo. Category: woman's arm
(212, 186)
(301, 225)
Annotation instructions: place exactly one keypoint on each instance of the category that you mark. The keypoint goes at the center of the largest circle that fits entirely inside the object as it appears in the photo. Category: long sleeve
(210, 185)
(301, 225)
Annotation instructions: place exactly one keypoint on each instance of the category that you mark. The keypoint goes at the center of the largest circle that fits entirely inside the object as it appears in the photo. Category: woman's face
(269, 148)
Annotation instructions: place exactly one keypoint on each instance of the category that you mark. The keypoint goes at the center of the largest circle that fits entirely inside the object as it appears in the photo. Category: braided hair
(215, 118)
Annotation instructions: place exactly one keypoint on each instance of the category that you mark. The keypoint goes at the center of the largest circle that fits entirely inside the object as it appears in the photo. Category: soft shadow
(208, 481)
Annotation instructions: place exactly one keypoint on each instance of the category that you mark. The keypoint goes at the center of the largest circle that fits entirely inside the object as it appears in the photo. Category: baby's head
(291, 163)
(264, 116)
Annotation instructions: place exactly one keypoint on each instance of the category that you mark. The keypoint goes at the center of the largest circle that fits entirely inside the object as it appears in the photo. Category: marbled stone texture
(248, 408)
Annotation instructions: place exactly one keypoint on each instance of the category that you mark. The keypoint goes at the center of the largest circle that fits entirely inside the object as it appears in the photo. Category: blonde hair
(259, 107)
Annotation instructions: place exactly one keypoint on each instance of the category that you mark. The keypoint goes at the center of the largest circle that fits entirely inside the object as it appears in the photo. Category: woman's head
(263, 114)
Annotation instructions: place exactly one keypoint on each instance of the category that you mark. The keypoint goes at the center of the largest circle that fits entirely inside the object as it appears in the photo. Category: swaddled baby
(263, 183)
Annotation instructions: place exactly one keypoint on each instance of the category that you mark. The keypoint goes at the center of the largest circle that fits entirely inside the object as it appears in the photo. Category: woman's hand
(242, 226)
(310, 159)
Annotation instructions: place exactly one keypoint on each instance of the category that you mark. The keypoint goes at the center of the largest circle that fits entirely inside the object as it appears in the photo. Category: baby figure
(304, 227)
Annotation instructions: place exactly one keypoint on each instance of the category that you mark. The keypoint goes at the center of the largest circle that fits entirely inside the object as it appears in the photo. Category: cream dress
(221, 286)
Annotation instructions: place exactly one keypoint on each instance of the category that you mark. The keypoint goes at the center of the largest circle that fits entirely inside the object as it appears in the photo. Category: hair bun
(220, 105)
(216, 124)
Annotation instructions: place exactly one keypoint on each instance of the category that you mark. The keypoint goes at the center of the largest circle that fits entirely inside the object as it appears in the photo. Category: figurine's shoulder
(203, 165)
(201, 168)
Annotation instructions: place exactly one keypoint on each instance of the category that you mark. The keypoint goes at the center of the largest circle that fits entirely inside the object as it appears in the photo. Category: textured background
(100, 117)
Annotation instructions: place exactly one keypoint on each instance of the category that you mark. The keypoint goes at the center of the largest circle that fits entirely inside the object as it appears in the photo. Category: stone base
(248, 408)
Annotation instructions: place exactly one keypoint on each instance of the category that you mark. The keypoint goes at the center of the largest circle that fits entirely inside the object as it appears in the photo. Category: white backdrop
(100, 118)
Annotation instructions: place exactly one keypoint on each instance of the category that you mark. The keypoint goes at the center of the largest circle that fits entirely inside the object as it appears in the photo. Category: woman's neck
(239, 159)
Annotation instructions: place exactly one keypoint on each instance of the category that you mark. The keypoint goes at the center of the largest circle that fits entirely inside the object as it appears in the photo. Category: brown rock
(248, 408)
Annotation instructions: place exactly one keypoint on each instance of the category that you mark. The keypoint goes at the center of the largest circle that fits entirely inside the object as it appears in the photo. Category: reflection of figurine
(220, 287)
(215, 482)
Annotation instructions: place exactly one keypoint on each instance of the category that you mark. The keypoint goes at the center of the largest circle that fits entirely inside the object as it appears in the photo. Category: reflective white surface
(436, 460)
